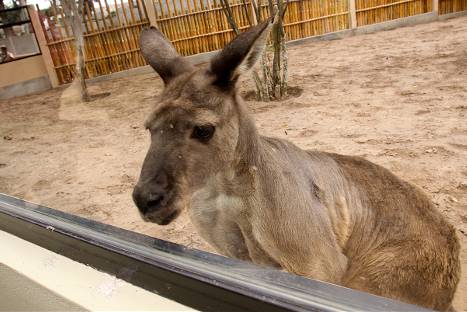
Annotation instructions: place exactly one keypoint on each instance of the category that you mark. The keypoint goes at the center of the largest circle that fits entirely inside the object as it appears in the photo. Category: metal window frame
(198, 279)
(23, 22)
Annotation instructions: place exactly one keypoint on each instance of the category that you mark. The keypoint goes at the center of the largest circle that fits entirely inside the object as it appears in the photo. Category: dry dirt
(398, 98)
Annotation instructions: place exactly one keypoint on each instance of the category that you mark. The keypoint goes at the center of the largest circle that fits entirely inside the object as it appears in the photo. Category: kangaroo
(335, 218)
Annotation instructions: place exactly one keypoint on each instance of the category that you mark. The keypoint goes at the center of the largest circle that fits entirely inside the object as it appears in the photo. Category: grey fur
(335, 218)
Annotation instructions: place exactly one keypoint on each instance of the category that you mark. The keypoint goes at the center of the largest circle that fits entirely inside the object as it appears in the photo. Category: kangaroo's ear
(240, 55)
(161, 54)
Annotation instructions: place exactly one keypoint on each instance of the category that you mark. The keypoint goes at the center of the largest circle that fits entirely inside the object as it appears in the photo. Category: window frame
(195, 278)
(28, 21)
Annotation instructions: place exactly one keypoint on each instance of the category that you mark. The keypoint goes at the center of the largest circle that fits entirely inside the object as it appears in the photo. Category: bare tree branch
(228, 13)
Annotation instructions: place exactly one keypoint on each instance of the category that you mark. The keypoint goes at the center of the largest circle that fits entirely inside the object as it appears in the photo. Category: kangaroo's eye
(203, 133)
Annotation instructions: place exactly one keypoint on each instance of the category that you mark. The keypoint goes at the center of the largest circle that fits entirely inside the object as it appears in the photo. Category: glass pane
(17, 42)
(17, 38)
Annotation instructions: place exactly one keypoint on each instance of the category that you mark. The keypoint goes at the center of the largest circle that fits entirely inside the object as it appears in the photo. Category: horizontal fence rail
(112, 27)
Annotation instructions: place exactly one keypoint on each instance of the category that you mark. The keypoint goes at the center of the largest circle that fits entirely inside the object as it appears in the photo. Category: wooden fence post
(436, 7)
(253, 12)
(151, 10)
(353, 14)
(40, 36)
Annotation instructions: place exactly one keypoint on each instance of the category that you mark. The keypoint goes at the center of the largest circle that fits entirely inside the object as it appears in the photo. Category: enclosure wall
(22, 70)
(24, 76)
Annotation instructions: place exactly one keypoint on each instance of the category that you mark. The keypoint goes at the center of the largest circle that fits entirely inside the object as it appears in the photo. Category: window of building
(17, 36)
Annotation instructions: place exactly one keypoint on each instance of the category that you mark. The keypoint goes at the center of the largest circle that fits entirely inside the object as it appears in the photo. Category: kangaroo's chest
(222, 220)
(215, 215)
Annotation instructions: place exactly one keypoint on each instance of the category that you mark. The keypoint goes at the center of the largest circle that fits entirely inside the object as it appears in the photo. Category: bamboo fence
(110, 37)
(197, 26)
(306, 18)
(112, 27)
(451, 6)
(377, 11)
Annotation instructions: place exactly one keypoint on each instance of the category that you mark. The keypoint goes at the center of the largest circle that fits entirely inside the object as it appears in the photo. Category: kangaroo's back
(400, 246)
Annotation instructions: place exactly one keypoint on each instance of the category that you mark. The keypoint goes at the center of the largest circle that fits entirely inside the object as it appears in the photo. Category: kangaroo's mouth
(168, 211)
(170, 217)
(161, 218)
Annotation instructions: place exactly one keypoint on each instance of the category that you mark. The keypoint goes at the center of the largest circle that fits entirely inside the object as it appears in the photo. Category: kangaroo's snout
(147, 202)
(152, 198)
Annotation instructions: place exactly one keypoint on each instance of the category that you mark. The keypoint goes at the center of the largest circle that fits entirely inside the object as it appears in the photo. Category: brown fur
(412, 253)
(335, 218)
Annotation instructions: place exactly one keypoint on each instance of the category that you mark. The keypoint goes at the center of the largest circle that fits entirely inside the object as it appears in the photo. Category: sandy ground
(398, 98)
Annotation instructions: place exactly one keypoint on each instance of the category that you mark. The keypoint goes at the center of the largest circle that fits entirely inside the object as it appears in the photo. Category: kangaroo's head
(195, 124)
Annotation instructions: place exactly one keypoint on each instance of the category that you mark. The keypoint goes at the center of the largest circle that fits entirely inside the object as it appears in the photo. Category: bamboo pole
(216, 25)
(179, 27)
(125, 38)
(161, 24)
(322, 12)
(247, 17)
(206, 26)
(66, 54)
(211, 23)
(176, 29)
(54, 12)
(346, 19)
(334, 7)
(91, 41)
(229, 16)
(134, 33)
(116, 41)
(141, 13)
(315, 9)
(328, 24)
(207, 16)
(63, 19)
(131, 41)
(253, 12)
(68, 46)
(314, 13)
(132, 11)
(187, 48)
(219, 18)
(307, 15)
(197, 20)
(121, 32)
(63, 54)
(170, 29)
(301, 16)
(191, 25)
(358, 14)
(107, 46)
(91, 70)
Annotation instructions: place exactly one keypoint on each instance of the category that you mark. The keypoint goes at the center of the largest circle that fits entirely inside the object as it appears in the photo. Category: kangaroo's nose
(150, 196)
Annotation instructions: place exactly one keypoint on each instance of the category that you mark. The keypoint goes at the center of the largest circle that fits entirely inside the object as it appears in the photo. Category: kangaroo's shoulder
(361, 170)
(384, 191)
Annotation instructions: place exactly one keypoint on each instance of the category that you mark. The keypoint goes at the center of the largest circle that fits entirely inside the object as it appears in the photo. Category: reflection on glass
(17, 38)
